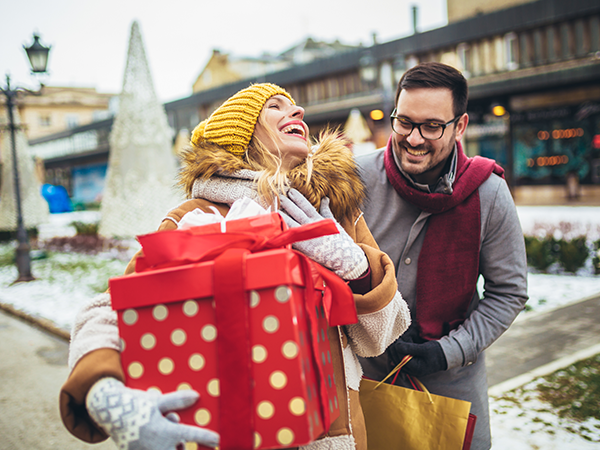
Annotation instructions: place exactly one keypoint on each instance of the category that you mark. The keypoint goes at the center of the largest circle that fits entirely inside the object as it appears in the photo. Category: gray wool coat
(399, 228)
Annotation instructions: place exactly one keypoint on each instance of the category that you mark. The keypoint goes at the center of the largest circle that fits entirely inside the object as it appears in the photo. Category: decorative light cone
(34, 207)
(141, 177)
(356, 128)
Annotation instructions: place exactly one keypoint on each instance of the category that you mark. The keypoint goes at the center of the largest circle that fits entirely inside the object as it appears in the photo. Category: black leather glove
(427, 358)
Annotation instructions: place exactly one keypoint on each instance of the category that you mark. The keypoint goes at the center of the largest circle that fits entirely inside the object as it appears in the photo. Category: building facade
(534, 92)
(55, 112)
(60, 108)
(77, 159)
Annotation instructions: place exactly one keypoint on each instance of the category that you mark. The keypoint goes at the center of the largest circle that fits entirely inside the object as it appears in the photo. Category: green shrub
(541, 253)
(596, 257)
(7, 236)
(7, 255)
(85, 229)
(573, 254)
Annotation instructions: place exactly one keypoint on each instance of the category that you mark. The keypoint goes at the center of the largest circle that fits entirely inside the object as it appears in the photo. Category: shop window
(566, 41)
(354, 83)
(45, 120)
(72, 120)
(539, 47)
(548, 152)
(386, 78)
(295, 92)
(59, 176)
(494, 147)
(581, 41)
(526, 48)
(399, 68)
(87, 183)
(194, 120)
(411, 61)
(314, 92)
(334, 88)
(511, 49)
(487, 58)
(498, 54)
(100, 114)
(464, 56)
(475, 59)
(321, 95)
(553, 44)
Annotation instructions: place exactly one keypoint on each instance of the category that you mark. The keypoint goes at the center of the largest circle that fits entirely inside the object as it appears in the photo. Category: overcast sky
(89, 38)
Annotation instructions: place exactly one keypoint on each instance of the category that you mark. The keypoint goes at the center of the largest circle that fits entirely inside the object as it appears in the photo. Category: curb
(544, 370)
(42, 324)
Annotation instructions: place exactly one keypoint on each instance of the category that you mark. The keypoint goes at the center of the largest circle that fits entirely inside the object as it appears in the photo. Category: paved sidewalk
(541, 338)
(33, 366)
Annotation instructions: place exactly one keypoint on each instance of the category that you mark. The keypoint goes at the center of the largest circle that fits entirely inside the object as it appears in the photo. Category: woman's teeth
(294, 129)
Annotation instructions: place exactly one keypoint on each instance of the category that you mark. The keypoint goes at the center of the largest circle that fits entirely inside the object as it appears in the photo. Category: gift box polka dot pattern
(173, 346)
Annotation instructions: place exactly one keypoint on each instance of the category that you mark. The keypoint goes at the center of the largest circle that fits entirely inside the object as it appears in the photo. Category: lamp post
(38, 58)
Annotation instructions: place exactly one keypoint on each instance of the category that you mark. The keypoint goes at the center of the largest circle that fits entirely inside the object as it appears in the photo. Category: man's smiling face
(421, 158)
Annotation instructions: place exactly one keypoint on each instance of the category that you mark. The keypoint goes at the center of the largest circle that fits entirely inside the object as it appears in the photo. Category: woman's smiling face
(282, 131)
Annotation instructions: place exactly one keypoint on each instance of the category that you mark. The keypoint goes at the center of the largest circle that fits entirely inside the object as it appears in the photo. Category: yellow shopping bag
(407, 419)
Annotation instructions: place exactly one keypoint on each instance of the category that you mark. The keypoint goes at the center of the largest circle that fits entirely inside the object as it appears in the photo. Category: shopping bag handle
(396, 369)
(400, 365)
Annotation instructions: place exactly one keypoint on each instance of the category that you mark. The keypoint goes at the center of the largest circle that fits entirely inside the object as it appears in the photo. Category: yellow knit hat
(231, 126)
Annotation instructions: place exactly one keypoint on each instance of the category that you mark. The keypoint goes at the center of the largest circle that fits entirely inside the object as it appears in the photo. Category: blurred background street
(85, 83)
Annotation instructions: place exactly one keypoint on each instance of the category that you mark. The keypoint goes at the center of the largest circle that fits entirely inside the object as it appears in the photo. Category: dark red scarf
(449, 260)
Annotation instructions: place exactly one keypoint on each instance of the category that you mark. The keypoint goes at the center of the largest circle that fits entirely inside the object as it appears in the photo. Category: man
(444, 219)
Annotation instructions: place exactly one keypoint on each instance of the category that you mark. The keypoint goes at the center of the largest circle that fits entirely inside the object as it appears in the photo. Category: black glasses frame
(417, 125)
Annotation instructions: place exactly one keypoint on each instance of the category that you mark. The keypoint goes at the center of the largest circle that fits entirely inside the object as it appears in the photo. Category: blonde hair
(272, 179)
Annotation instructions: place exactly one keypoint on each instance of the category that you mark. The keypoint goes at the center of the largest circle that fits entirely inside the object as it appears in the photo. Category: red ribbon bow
(199, 244)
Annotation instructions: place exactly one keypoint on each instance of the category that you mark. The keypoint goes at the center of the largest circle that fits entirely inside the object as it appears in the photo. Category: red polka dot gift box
(241, 318)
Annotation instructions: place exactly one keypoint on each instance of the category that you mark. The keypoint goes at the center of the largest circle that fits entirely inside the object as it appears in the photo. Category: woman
(255, 145)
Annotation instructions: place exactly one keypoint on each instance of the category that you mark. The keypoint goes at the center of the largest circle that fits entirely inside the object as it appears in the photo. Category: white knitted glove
(337, 252)
(134, 418)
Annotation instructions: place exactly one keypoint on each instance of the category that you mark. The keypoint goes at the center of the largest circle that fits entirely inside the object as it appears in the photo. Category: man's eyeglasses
(431, 131)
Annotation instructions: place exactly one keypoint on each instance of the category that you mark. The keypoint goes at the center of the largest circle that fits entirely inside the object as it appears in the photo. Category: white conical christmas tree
(34, 208)
(141, 177)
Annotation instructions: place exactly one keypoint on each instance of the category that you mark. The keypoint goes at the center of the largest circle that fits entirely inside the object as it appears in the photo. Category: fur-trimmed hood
(334, 174)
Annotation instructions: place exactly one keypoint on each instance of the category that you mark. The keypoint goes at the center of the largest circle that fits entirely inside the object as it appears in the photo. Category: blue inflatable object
(57, 198)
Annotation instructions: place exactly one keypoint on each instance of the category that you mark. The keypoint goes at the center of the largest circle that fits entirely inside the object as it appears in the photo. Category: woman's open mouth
(294, 129)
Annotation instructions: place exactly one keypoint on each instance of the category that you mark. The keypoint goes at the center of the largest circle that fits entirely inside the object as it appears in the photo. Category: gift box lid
(263, 270)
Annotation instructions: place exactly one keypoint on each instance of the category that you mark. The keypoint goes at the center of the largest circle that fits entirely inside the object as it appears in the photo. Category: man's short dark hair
(437, 75)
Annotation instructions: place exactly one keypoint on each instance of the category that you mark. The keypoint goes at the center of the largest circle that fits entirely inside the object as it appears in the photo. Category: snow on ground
(57, 296)
(531, 426)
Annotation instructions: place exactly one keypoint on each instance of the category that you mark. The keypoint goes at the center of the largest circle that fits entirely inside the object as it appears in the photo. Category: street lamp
(38, 55)
(38, 58)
